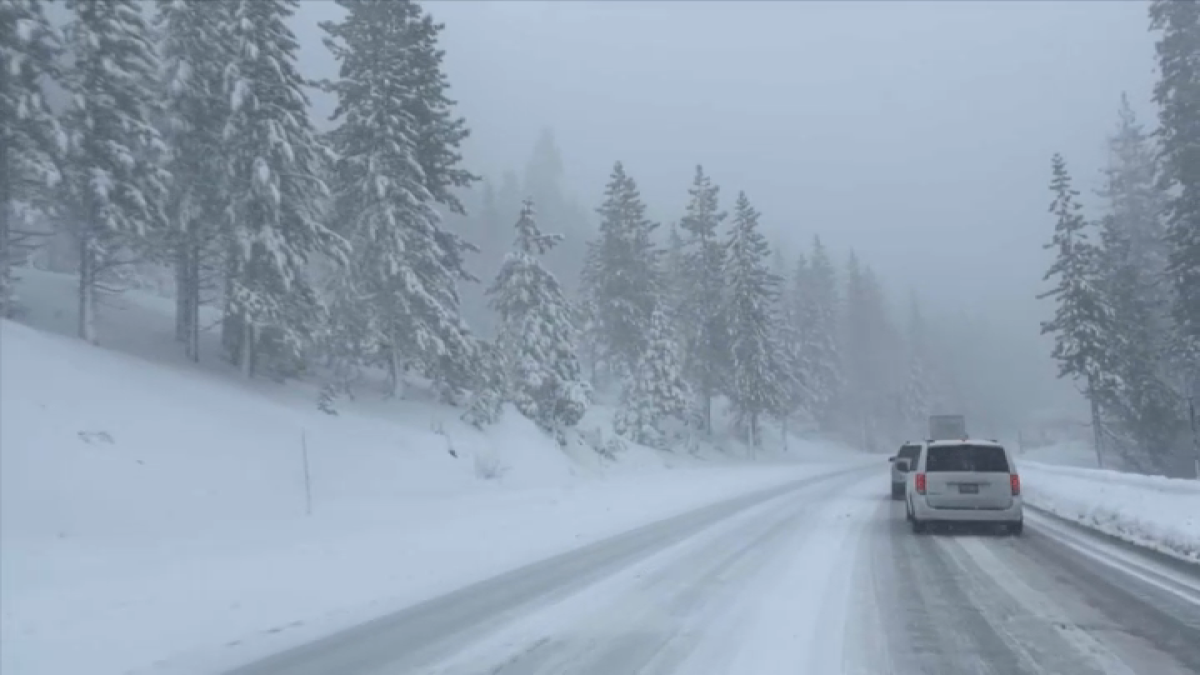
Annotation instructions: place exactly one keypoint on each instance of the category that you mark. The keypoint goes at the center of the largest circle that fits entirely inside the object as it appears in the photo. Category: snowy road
(822, 576)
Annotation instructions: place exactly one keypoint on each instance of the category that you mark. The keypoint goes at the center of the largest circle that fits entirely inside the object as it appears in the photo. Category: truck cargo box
(947, 427)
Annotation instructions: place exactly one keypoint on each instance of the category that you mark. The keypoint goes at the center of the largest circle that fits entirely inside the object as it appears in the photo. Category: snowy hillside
(137, 487)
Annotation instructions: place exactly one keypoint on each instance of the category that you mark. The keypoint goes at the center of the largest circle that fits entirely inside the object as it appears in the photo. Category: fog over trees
(763, 243)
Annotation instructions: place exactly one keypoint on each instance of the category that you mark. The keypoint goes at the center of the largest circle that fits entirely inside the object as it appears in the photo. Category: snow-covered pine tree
(195, 56)
(487, 400)
(673, 277)
(891, 362)
(919, 387)
(486, 227)
(878, 362)
(536, 338)
(31, 143)
(854, 347)
(545, 183)
(1133, 270)
(657, 390)
(406, 264)
(757, 387)
(1177, 94)
(790, 337)
(590, 349)
(277, 197)
(820, 321)
(439, 131)
(1082, 322)
(705, 342)
(114, 178)
(622, 276)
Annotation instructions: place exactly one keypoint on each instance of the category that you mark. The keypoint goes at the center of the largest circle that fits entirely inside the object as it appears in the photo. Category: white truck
(947, 427)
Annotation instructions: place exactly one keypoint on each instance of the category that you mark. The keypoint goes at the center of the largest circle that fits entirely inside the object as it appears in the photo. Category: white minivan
(964, 481)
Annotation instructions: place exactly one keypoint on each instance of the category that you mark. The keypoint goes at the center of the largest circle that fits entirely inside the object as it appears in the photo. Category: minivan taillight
(920, 483)
(1015, 481)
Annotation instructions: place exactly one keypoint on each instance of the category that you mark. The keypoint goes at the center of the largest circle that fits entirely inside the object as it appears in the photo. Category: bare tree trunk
(231, 330)
(6, 208)
(1096, 431)
(87, 287)
(181, 290)
(393, 365)
(193, 338)
(192, 347)
(246, 360)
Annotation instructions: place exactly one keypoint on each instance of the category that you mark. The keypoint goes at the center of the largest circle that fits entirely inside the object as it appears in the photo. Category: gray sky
(919, 133)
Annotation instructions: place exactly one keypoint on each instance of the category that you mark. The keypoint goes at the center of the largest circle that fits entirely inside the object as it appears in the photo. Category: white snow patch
(1153, 511)
(153, 511)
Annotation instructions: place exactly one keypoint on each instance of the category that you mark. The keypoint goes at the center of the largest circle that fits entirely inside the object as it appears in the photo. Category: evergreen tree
(872, 359)
(702, 309)
(854, 347)
(536, 336)
(674, 288)
(791, 339)
(195, 53)
(115, 182)
(919, 390)
(30, 141)
(757, 387)
(819, 322)
(545, 182)
(877, 361)
(657, 391)
(1082, 322)
(439, 133)
(1177, 94)
(487, 227)
(1133, 268)
(487, 401)
(544, 175)
(621, 275)
(276, 200)
(404, 260)
(508, 197)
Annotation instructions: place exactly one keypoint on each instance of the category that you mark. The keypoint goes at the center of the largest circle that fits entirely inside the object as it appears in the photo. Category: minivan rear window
(966, 457)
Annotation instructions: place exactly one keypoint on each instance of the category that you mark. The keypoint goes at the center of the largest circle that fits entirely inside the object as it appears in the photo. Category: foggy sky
(918, 133)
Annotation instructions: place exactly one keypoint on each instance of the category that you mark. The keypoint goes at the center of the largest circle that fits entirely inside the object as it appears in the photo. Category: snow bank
(1074, 453)
(1160, 513)
(154, 516)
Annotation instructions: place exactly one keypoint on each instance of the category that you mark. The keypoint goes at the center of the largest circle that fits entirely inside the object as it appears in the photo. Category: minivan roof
(966, 441)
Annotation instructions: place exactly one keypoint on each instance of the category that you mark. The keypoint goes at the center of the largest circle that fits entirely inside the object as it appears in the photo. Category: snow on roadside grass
(153, 513)
(128, 608)
(1152, 511)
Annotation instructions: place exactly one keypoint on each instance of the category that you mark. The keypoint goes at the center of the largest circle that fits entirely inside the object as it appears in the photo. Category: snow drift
(1152, 511)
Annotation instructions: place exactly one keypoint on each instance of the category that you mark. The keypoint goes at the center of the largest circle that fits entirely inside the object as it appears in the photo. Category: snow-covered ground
(1153, 511)
(154, 511)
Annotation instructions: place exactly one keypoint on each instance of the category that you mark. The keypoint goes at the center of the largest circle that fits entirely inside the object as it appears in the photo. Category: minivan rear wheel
(1015, 529)
(918, 526)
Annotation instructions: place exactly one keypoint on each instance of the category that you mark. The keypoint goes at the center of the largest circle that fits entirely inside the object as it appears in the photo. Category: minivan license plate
(970, 489)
